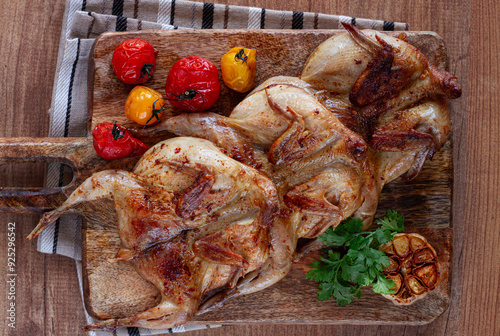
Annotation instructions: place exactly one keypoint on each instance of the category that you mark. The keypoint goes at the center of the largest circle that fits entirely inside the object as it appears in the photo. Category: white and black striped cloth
(84, 20)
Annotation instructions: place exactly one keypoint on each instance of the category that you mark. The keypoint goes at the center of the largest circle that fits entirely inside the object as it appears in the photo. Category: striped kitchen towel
(84, 20)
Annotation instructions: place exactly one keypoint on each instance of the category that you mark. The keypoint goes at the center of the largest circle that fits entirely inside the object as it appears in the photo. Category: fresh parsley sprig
(342, 275)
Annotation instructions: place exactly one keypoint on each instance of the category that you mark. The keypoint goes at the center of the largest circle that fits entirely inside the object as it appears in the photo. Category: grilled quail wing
(386, 90)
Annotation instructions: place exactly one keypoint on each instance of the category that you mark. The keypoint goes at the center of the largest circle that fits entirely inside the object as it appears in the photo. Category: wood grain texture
(52, 302)
(77, 153)
(114, 290)
(47, 287)
(482, 213)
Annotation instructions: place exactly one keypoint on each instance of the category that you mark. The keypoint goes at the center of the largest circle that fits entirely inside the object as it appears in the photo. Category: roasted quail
(190, 220)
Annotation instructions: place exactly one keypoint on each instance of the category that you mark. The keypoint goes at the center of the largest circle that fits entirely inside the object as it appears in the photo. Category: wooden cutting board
(115, 290)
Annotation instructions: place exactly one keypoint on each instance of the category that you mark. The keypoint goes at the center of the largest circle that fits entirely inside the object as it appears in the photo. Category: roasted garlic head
(413, 267)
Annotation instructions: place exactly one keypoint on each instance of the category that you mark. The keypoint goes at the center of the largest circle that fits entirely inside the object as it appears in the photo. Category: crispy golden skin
(190, 219)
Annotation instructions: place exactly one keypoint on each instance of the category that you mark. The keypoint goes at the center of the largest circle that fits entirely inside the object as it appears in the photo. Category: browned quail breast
(190, 219)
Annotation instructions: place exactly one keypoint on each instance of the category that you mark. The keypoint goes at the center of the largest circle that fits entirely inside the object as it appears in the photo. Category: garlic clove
(407, 263)
(401, 245)
(387, 248)
(417, 243)
(415, 286)
(428, 274)
(424, 256)
(393, 265)
(398, 282)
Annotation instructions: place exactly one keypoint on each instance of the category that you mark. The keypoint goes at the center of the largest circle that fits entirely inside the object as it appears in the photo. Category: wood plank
(482, 213)
(48, 301)
(115, 290)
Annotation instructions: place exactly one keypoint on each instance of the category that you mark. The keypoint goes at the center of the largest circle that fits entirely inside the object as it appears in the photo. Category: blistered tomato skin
(134, 61)
(113, 141)
(144, 105)
(238, 68)
(193, 84)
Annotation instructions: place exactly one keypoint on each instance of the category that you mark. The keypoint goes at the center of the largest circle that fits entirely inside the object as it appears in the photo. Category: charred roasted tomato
(113, 141)
(413, 267)
(144, 105)
(193, 84)
(238, 67)
(134, 61)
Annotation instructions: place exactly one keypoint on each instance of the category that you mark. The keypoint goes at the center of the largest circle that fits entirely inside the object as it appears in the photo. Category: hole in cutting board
(33, 174)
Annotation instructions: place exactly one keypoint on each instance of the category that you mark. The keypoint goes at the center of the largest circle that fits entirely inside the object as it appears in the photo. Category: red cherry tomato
(112, 141)
(134, 61)
(193, 84)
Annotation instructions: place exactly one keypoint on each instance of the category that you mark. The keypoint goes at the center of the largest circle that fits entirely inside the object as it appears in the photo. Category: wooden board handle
(37, 200)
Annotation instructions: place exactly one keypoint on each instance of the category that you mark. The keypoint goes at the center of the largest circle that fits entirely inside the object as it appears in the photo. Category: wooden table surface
(48, 300)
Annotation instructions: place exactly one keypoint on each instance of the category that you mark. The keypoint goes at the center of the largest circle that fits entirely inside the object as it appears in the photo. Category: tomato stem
(147, 69)
(117, 132)
(188, 94)
(241, 55)
(155, 113)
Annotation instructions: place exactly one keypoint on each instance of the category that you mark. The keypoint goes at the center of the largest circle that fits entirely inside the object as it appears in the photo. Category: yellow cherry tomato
(238, 67)
(144, 105)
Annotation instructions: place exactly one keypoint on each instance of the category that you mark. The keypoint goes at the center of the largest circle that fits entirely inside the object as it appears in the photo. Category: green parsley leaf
(343, 234)
(325, 270)
(353, 271)
(343, 292)
(325, 290)
(329, 238)
(383, 285)
(352, 225)
(383, 236)
(341, 276)
(393, 221)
